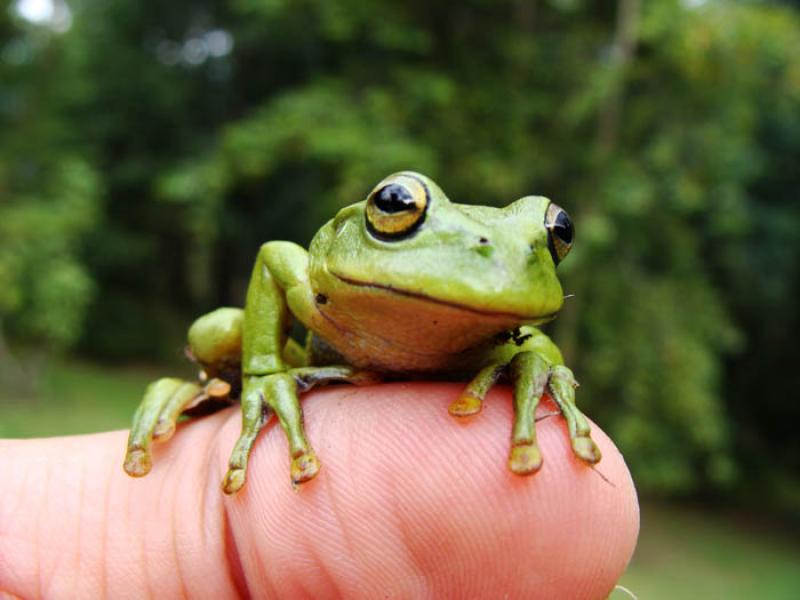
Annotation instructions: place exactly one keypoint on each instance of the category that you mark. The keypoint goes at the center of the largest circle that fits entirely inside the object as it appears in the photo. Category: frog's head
(408, 245)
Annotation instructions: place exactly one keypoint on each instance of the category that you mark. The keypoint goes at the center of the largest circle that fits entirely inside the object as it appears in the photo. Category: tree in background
(48, 196)
(670, 130)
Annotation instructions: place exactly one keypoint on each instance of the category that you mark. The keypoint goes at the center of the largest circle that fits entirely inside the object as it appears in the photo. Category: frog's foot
(261, 396)
(562, 386)
(163, 402)
(305, 464)
(532, 375)
(278, 393)
(471, 400)
(155, 420)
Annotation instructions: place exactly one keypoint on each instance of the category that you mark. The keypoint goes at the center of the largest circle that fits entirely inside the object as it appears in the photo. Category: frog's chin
(523, 319)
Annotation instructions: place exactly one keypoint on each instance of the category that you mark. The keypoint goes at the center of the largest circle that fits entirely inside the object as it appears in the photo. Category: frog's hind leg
(162, 399)
(214, 343)
(214, 395)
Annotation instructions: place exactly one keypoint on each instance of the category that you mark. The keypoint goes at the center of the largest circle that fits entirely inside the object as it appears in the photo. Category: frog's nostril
(484, 247)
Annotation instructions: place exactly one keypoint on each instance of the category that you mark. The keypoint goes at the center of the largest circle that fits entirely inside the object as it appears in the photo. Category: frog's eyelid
(424, 185)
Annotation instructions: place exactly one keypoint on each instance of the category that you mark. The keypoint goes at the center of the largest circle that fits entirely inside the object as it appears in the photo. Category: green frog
(402, 285)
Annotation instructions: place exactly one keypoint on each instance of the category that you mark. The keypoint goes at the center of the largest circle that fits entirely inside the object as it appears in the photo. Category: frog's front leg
(257, 397)
(529, 373)
(278, 393)
(280, 272)
(471, 400)
(562, 386)
(534, 366)
(532, 375)
(279, 288)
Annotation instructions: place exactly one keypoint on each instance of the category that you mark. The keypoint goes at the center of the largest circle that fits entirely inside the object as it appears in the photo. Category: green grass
(703, 554)
(683, 553)
(73, 397)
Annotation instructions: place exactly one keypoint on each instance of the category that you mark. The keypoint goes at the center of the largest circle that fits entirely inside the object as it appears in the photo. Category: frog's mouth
(533, 320)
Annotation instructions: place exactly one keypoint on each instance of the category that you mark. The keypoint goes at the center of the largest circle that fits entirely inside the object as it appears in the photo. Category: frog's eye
(560, 232)
(396, 207)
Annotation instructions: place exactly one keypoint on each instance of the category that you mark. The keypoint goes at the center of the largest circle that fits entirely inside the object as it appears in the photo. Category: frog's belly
(416, 336)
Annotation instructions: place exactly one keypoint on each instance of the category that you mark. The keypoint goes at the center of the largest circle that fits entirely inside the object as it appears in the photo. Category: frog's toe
(189, 396)
(137, 462)
(466, 405)
(234, 480)
(525, 459)
(585, 449)
(304, 467)
(471, 400)
(163, 431)
(155, 419)
(562, 386)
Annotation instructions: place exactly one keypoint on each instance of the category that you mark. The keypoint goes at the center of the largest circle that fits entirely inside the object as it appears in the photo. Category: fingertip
(409, 502)
(413, 500)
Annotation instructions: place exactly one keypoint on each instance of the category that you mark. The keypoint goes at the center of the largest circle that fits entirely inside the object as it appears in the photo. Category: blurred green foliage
(48, 195)
(697, 553)
(148, 148)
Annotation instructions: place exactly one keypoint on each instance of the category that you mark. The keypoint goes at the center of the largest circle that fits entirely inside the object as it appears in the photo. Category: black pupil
(394, 198)
(563, 228)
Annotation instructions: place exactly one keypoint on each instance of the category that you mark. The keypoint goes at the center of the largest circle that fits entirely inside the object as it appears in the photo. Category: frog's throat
(537, 319)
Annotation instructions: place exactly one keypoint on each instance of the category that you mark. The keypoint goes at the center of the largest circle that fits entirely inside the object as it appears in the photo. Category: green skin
(457, 297)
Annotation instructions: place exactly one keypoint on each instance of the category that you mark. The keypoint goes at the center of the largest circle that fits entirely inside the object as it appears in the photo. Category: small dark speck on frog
(484, 247)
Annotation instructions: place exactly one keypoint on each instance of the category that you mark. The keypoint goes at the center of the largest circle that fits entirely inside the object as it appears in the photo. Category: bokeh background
(147, 148)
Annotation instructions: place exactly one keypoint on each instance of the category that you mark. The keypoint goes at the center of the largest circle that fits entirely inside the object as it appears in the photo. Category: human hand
(409, 503)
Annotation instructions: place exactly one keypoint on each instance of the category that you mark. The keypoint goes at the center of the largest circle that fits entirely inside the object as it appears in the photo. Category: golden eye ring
(396, 207)
(560, 232)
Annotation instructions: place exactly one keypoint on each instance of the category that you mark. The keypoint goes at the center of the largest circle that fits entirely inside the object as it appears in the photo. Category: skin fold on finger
(410, 503)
